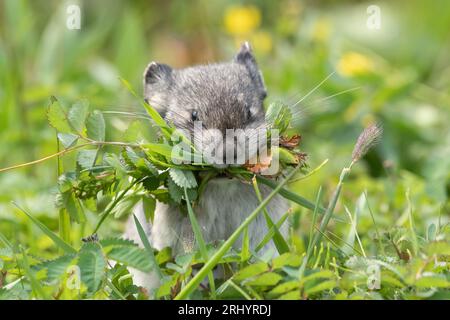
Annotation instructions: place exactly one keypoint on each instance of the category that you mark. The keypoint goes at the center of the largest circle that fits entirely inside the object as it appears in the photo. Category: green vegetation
(372, 224)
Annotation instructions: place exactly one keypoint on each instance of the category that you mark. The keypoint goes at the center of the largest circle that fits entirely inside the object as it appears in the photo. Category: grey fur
(226, 96)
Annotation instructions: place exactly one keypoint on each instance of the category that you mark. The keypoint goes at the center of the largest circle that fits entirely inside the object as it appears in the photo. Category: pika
(222, 96)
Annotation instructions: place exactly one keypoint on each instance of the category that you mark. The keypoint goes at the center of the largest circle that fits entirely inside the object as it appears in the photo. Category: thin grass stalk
(200, 241)
(212, 262)
(64, 218)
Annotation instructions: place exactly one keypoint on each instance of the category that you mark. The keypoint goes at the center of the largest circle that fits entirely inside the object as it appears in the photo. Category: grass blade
(67, 248)
(279, 241)
(148, 247)
(201, 242)
(211, 263)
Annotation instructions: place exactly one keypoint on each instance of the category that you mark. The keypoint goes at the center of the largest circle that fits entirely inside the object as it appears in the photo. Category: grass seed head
(366, 140)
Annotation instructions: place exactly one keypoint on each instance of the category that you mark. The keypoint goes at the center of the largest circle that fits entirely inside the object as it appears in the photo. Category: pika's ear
(245, 56)
(157, 81)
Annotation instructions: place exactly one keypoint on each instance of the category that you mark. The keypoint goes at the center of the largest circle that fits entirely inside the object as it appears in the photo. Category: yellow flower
(242, 20)
(354, 64)
(262, 41)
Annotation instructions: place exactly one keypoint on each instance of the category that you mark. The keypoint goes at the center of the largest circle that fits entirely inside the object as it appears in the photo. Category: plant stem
(326, 219)
(114, 203)
(64, 218)
(212, 262)
(68, 150)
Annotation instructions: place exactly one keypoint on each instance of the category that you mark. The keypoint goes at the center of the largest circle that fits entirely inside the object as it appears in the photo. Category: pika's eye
(194, 115)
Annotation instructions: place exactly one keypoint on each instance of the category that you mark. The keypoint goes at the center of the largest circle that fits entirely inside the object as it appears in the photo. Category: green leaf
(73, 207)
(35, 284)
(67, 139)
(438, 248)
(286, 259)
(251, 270)
(175, 191)
(183, 178)
(57, 116)
(322, 274)
(125, 206)
(199, 239)
(57, 240)
(279, 116)
(149, 206)
(117, 242)
(92, 265)
(131, 256)
(284, 287)
(95, 126)
(77, 115)
(322, 286)
(148, 247)
(266, 279)
(57, 267)
(432, 281)
(86, 158)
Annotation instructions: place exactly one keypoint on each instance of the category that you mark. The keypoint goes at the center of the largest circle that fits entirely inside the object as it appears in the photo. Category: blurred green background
(398, 75)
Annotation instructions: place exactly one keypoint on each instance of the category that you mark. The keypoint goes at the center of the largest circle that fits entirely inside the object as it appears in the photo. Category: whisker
(314, 89)
(336, 94)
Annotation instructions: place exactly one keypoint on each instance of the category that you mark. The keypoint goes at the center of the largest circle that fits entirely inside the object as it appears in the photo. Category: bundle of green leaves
(147, 165)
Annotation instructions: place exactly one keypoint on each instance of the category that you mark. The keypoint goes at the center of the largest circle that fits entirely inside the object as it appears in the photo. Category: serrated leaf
(67, 139)
(86, 158)
(266, 279)
(251, 270)
(73, 208)
(322, 286)
(175, 192)
(77, 115)
(149, 206)
(284, 287)
(125, 206)
(286, 259)
(183, 178)
(57, 267)
(117, 242)
(95, 126)
(57, 116)
(131, 256)
(92, 265)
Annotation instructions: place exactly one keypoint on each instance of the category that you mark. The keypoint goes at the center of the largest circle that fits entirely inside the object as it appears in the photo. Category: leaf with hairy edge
(57, 116)
(77, 115)
(175, 191)
(57, 267)
(73, 207)
(183, 178)
(266, 279)
(67, 139)
(117, 242)
(95, 126)
(86, 158)
(132, 256)
(251, 271)
(92, 265)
